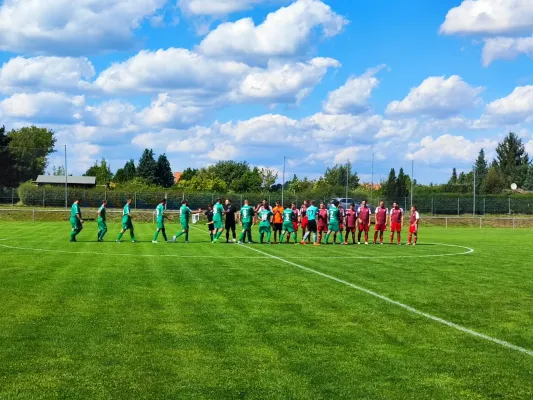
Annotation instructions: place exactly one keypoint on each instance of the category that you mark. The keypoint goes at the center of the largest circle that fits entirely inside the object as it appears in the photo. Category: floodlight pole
(474, 204)
(412, 179)
(372, 183)
(347, 177)
(283, 185)
(66, 180)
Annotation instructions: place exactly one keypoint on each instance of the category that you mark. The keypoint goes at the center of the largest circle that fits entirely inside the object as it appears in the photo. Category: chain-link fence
(437, 204)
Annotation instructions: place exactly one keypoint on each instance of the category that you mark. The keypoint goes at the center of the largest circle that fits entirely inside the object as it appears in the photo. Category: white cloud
(285, 32)
(172, 70)
(113, 113)
(489, 17)
(165, 111)
(223, 151)
(287, 83)
(449, 148)
(398, 129)
(506, 48)
(265, 129)
(327, 127)
(43, 107)
(438, 97)
(515, 108)
(45, 73)
(353, 96)
(71, 27)
(352, 153)
(216, 7)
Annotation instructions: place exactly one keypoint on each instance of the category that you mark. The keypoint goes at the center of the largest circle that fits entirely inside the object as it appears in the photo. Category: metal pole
(484, 206)
(474, 205)
(412, 179)
(12, 197)
(283, 184)
(432, 212)
(66, 180)
(458, 206)
(372, 183)
(135, 195)
(509, 206)
(347, 176)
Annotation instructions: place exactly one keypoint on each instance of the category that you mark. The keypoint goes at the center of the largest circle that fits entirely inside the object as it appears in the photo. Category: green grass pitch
(92, 320)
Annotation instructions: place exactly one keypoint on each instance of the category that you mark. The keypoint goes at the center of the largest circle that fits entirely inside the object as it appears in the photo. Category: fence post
(510, 208)
(44, 196)
(432, 212)
(33, 215)
(135, 198)
(12, 197)
(446, 222)
(458, 207)
(484, 206)
(513, 222)
(480, 223)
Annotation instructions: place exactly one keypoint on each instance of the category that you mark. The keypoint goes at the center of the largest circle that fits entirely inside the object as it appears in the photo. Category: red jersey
(381, 215)
(414, 217)
(396, 215)
(364, 214)
(351, 216)
(303, 211)
(296, 214)
(322, 216)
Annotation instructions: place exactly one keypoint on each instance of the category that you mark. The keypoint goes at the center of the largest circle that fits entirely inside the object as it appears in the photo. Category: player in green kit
(185, 216)
(333, 220)
(160, 220)
(246, 217)
(127, 224)
(218, 212)
(288, 226)
(102, 225)
(75, 220)
(265, 224)
(311, 213)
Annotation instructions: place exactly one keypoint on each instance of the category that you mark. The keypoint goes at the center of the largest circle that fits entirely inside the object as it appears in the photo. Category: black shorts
(311, 226)
(278, 227)
(230, 225)
(211, 227)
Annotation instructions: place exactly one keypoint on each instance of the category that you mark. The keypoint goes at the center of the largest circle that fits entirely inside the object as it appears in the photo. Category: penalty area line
(404, 306)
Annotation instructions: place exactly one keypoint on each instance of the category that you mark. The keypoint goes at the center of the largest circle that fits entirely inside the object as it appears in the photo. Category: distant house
(177, 176)
(85, 182)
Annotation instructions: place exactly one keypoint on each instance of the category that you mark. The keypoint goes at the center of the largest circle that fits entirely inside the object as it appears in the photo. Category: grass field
(92, 320)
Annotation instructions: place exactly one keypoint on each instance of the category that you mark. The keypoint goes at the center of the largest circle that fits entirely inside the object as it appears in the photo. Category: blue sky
(321, 82)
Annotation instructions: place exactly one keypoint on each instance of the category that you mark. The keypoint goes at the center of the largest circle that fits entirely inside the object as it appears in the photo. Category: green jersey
(75, 210)
(126, 213)
(311, 213)
(264, 218)
(246, 214)
(288, 215)
(218, 211)
(101, 213)
(160, 212)
(185, 213)
(333, 214)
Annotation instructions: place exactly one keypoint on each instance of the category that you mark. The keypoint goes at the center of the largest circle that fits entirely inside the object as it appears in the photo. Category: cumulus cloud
(165, 111)
(489, 17)
(284, 82)
(515, 108)
(263, 130)
(353, 96)
(438, 97)
(506, 48)
(223, 151)
(448, 147)
(46, 73)
(285, 32)
(216, 8)
(71, 27)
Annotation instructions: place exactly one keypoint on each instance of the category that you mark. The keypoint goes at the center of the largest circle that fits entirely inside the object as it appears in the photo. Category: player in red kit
(380, 219)
(322, 221)
(351, 223)
(396, 222)
(304, 220)
(363, 214)
(295, 220)
(413, 227)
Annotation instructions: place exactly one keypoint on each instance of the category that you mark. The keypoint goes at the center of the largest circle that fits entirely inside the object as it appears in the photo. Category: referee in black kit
(230, 220)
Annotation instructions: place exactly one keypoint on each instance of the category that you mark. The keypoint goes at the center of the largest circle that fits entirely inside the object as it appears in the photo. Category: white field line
(397, 303)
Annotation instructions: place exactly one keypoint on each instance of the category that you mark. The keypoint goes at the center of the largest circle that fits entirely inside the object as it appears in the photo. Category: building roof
(177, 176)
(73, 180)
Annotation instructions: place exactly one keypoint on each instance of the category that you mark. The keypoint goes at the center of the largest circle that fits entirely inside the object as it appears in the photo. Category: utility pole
(66, 180)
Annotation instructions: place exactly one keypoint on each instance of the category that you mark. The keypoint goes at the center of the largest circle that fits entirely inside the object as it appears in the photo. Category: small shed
(85, 182)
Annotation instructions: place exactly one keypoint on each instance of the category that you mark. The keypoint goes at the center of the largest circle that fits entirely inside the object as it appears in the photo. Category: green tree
(58, 171)
(493, 183)
(512, 160)
(528, 183)
(335, 177)
(389, 187)
(7, 173)
(453, 179)
(147, 166)
(481, 170)
(30, 148)
(188, 174)
(101, 171)
(126, 173)
(163, 172)
(269, 178)
(401, 185)
(230, 172)
(250, 182)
